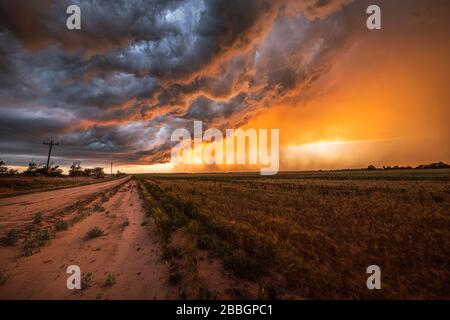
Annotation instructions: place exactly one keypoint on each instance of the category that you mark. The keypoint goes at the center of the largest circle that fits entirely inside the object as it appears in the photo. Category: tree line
(436, 165)
(38, 169)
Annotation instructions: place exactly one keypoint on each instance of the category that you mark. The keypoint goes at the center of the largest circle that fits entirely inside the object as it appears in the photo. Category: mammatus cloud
(139, 69)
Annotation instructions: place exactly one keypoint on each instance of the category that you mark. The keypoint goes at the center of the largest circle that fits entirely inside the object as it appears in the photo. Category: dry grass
(314, 236)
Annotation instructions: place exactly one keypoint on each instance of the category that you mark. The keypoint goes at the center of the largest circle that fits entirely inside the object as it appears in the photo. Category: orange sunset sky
(385, 101)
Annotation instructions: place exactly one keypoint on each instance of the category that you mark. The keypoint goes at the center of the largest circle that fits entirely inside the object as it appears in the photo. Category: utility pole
(111, 169)
(50, 144)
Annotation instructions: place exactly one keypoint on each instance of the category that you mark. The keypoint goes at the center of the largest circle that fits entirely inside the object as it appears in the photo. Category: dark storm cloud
(109, 90)
(105, 23)
(137, 142)
(207, 31)
(295, 54)
(138, 69)
(21, 123)
(207, 110)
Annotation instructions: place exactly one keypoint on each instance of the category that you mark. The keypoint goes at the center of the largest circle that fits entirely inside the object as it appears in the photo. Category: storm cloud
(139, 69)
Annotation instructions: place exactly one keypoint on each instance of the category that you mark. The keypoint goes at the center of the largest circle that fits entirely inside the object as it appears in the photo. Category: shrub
(126, 223)
(109, 281)
(94, 233)
(37, 218)
(11, 238)
(170, 253)
(86, 279)
(76, 219)
(242, 265)
(43, 234)
(61, 225)
(36, 239)
(98, 207)
(3, 277)
(174, 278)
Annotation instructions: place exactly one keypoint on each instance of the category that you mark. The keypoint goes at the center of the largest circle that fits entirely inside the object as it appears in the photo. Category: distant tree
(3, 167)
(87, 172)
(12, 172)
(437, 165)
(98, 173)
(33, 169)
(95, 172)
(371, 167)
(55, 171)
(76, 170)
(442, 165)
(120, 173)
(5, 171)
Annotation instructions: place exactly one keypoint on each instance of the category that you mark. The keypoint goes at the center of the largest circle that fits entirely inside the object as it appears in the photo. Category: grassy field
(313, 234)
(13, 186)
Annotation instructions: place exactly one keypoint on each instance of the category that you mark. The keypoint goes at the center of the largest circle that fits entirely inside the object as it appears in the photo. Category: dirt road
(20, 210)
(126, 254)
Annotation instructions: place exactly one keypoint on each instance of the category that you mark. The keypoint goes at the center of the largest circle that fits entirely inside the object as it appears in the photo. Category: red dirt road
(20, 210)
(126, 251)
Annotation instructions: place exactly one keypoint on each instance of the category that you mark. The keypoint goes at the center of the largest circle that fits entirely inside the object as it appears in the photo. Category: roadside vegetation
(109, 281)
(10, 238)
(3, 277)
(94, 233)
(86, 280)
(179, 252)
